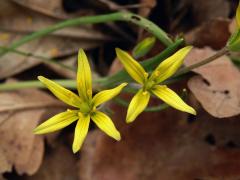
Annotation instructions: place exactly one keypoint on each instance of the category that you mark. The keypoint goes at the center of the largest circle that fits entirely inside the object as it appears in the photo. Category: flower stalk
(119, 16)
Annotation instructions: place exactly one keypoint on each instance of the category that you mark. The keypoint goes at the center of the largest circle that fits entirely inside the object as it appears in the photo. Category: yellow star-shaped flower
(87, 106)
(151, 84)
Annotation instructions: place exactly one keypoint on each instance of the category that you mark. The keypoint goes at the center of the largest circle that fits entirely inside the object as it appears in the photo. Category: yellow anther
(157, 73)
(144, 93)
(80, 115)
(89, 92)
(69, 110)
(94, 108)
(145, 74)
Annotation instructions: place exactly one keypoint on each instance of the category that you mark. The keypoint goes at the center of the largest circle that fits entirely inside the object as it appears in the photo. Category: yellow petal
(138, 103)
(81, 130)
(169, 66)
(134, 69)
(57, 122)
(61, 93)
(172, 99)
(238, 15)
(106, 95)
(106, 124)
(84, 77)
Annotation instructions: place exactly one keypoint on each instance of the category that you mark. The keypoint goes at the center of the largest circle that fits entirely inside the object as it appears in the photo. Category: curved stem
(148, 109)
(185, 70)
(119, 16)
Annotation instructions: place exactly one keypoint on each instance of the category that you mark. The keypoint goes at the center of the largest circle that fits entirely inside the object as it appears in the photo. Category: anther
(80, 115)
(157, 73)
(145, 74)
(144, 93)
(89, 92)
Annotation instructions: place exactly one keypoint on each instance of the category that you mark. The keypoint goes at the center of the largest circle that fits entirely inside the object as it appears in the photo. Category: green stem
(185, 70)
(119, 77)
(42, 58)
(101, 82)
(71, 84)
(119, 16)
(148, 109)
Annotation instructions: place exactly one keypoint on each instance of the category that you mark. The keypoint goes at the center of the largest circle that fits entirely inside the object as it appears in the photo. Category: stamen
(69, 110)
(145, 74)
(80, 115)
(157, 73)
(144, 93)
(89, 92)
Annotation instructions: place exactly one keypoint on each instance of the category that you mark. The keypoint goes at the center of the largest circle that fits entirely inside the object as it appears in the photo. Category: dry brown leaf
(58, 164)
(35, 159)
(21, 111)
(87, 154)
(162, 145)
(218, 90)
(233, 26)
(213, 33)
(5, 166)
(17, 138)
(27, 99)
(206, 10)
(48, 7)
(12, 63)
(68, 73)
(148, 5)
(20, 20)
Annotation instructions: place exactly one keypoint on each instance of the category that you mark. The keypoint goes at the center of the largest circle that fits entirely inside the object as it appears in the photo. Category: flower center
(85, 108)
(148, 85)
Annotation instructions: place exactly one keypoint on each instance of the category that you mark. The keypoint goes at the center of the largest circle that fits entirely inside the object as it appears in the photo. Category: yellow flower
(238, 15)
(87, 106)
(150, 84)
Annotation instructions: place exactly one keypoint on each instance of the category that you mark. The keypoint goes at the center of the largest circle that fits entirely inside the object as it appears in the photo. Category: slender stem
(42, 58)
(160, 107)
(220, 53)
(71, 84)
(119, 16)
(105, 81)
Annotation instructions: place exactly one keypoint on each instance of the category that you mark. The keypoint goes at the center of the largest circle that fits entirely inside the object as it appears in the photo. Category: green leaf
(142, 48)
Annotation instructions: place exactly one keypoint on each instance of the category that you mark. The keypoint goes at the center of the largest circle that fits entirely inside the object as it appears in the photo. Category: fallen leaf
(35, 159)
(26, 99)
(49, 47)
(163, 145)
(58, 164)
(51, 8)
(213, 33)
(218, 88)
(17, 138)
(85, 165)
(5, 166)
(147, 6)
(20, 20)
(203, 11)
(21, 111)
(71, 62)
